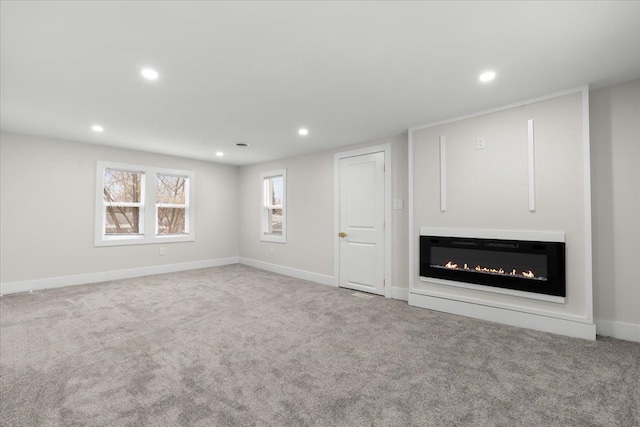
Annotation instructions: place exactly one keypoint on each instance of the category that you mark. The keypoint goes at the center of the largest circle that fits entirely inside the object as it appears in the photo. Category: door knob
(342, 234)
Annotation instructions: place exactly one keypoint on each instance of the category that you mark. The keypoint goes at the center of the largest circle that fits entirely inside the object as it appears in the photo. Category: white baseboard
(577, 329)
(288, 271)
(104, 276)
(400, 293)
(620, 330)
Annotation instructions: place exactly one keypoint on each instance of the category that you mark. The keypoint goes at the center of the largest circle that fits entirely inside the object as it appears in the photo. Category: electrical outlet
(481, 144)
(271, 250)
(161, 251)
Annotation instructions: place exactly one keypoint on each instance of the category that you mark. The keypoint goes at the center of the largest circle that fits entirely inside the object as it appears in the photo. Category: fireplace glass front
(529, 266)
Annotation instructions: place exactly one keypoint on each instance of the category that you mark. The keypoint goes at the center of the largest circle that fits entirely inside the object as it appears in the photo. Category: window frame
(265, 207)
(148, 207)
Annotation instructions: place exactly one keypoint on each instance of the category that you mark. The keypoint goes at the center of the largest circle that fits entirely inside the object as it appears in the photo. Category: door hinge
(384, 282)
(384, 168)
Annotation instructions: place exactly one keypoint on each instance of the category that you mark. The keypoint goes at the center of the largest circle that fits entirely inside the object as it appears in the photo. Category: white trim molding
(443, 173)
(396, 292)
(588, 239)
(620, 330)
(582, 89)
(480, 233)
(531, 165)
(105, 276)
(401, 294)
(413, 267)
(323, 279)
(577, 327)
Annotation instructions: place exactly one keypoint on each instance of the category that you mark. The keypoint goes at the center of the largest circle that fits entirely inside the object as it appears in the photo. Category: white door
(361, 217)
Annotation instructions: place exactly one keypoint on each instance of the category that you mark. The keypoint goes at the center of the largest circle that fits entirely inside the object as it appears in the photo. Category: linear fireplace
(520, 265)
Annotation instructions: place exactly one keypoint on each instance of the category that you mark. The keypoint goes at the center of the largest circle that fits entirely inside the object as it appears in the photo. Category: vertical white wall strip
(443, 173)
(586, 143)
(411, 236)
(532, 177)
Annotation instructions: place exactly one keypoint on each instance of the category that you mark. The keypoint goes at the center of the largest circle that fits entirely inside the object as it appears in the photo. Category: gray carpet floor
(235, 345)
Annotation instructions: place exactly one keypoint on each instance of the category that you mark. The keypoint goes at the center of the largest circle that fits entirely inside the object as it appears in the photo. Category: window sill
(141, 240)
(273, 238)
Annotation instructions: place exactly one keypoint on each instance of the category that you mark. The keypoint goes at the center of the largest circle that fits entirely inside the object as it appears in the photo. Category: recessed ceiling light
(149, 74)
(219, 153)
(487, 76)
(303, 131)
(97, 128)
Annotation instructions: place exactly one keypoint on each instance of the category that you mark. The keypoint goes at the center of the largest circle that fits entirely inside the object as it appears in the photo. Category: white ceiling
(256, 71)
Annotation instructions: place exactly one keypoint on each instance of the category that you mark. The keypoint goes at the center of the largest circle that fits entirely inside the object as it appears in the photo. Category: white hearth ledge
(495, 290)
(572, 326)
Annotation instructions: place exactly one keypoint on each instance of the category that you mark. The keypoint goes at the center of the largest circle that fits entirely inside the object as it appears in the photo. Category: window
(123, 192)
(172, 204)
(130, 199)
(273, 197)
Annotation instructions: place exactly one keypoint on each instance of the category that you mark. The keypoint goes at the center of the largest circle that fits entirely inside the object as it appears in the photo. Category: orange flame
(453, 266)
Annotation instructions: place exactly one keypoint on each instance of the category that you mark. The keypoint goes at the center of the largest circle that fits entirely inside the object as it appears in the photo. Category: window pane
(121, 220)
(171, 189)
(171, 221)
(122, 186)
(275, 221)
(276, 190)
(273, 214)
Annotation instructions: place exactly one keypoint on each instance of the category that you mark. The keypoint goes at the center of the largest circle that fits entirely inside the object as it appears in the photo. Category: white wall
(310, 213)
(47, 217)
(615, 154)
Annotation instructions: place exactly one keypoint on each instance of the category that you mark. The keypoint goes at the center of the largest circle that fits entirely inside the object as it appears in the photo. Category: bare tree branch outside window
(273, 191)
(122, 196)
(171, 204)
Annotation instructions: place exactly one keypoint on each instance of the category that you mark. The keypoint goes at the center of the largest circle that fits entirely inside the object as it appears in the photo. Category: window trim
(148, 207)
(264, 207)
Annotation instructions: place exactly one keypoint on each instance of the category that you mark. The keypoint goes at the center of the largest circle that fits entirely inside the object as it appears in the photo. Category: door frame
(386, 148)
